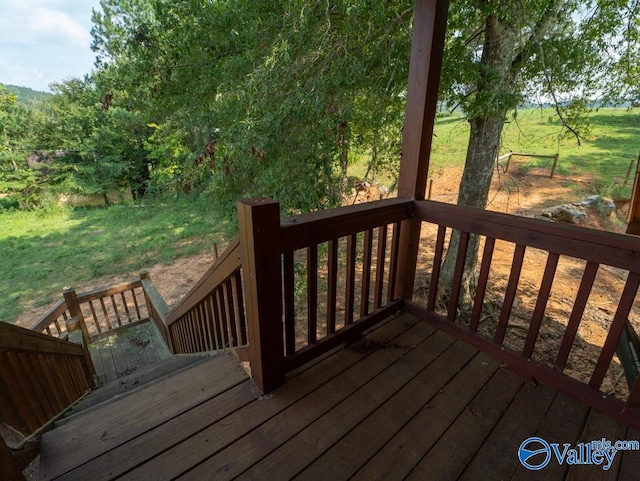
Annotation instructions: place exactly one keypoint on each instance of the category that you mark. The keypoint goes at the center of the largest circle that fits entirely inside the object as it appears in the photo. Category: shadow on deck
(406, 402)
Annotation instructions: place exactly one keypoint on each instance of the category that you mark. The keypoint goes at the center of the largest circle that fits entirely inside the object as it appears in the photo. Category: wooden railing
(544, 258)
(40, 377)
(104, 309)
(315, 281)
(212, 314)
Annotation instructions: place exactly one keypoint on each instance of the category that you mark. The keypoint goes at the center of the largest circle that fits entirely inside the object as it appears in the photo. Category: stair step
(130, 383)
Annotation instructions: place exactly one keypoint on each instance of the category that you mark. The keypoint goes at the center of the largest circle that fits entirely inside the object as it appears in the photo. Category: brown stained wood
(597, 427)
(346, 335)
(350, 281)
(322, 226)
(461, 259)
(107, 292)
(22, 393)
(386, 415)
(134, 415)
(615, 330)
(49, 382)
(312, 294)
(19, 339)
(510, 294)
(541, 304)
(380, 262)
(50, 316)
(357, 391)
(95, 317)
(407, 447)
(366, 272)
(126, 306)
(222, 317)
(136, 305)
(531, 369)
(228, 292)
(260, 241)
(435, 268)
(136, 450)
(11, 405)
(588, 244)
(36, 379)
(332, 287)
(288, 277)
(239, 298)
(586, 284)
(511, 430)
(213, 300)
(115, 309)
(463, 439)
(393, 261)
(106, 314)
(483, 278)
(563, 423)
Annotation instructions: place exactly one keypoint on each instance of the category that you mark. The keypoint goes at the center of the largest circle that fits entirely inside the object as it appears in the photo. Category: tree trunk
(484, 141)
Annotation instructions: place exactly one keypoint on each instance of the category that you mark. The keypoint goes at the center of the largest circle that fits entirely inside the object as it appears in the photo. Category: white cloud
(45, 41)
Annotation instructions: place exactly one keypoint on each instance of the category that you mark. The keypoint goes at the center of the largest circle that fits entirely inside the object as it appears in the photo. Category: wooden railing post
(76, 335)
(427, 47)
(74, 309)
(259, 225)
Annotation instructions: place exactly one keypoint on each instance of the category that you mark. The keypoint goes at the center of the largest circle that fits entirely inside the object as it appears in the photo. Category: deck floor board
(406, 402)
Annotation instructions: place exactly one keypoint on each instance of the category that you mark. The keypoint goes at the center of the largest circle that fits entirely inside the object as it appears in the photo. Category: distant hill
(25, 94)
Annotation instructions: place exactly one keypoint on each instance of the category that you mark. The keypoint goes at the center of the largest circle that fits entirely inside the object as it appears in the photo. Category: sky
(45, 41)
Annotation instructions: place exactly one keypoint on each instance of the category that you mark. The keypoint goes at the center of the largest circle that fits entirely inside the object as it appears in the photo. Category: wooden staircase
(77, 445)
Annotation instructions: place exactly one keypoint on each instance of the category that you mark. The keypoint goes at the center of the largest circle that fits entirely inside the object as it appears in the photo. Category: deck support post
(427, 46)
(73, 305)
(259, 226)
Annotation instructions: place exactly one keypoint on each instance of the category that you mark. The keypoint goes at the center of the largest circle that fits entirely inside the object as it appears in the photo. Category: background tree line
(243, 98)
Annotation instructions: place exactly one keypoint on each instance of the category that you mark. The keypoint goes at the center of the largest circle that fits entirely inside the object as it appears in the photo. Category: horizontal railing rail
(212, 315)
(53, 321)
(542, 257)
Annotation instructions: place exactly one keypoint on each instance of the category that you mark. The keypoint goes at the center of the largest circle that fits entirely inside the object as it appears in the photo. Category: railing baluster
(106, 313)
(393, 260)
(435, 268)
(510, 294)
(115, 308)
(615, 330)
(350, 280)
(380, 261)
(95, 317)
(332, 287)
(586, 284)
(312, 293)
(126, 307)
(541, 303)
(458, 274)
(237, 282)
(288, 276)
(135, 303)
(366, 272)
(222, 317)
(481, 289)
(230, 312)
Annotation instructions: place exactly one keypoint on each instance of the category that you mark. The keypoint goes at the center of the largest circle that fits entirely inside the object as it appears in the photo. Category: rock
(604, 207)
(568, 213)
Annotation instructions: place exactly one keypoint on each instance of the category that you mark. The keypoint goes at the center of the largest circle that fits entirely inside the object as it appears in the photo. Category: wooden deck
(406, 402)
(123, 350)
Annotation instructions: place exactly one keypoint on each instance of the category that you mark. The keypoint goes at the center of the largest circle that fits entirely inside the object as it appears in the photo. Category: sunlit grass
(44, 251)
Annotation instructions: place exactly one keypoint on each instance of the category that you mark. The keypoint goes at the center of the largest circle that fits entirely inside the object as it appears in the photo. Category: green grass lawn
(611, 145)
(44, 251)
